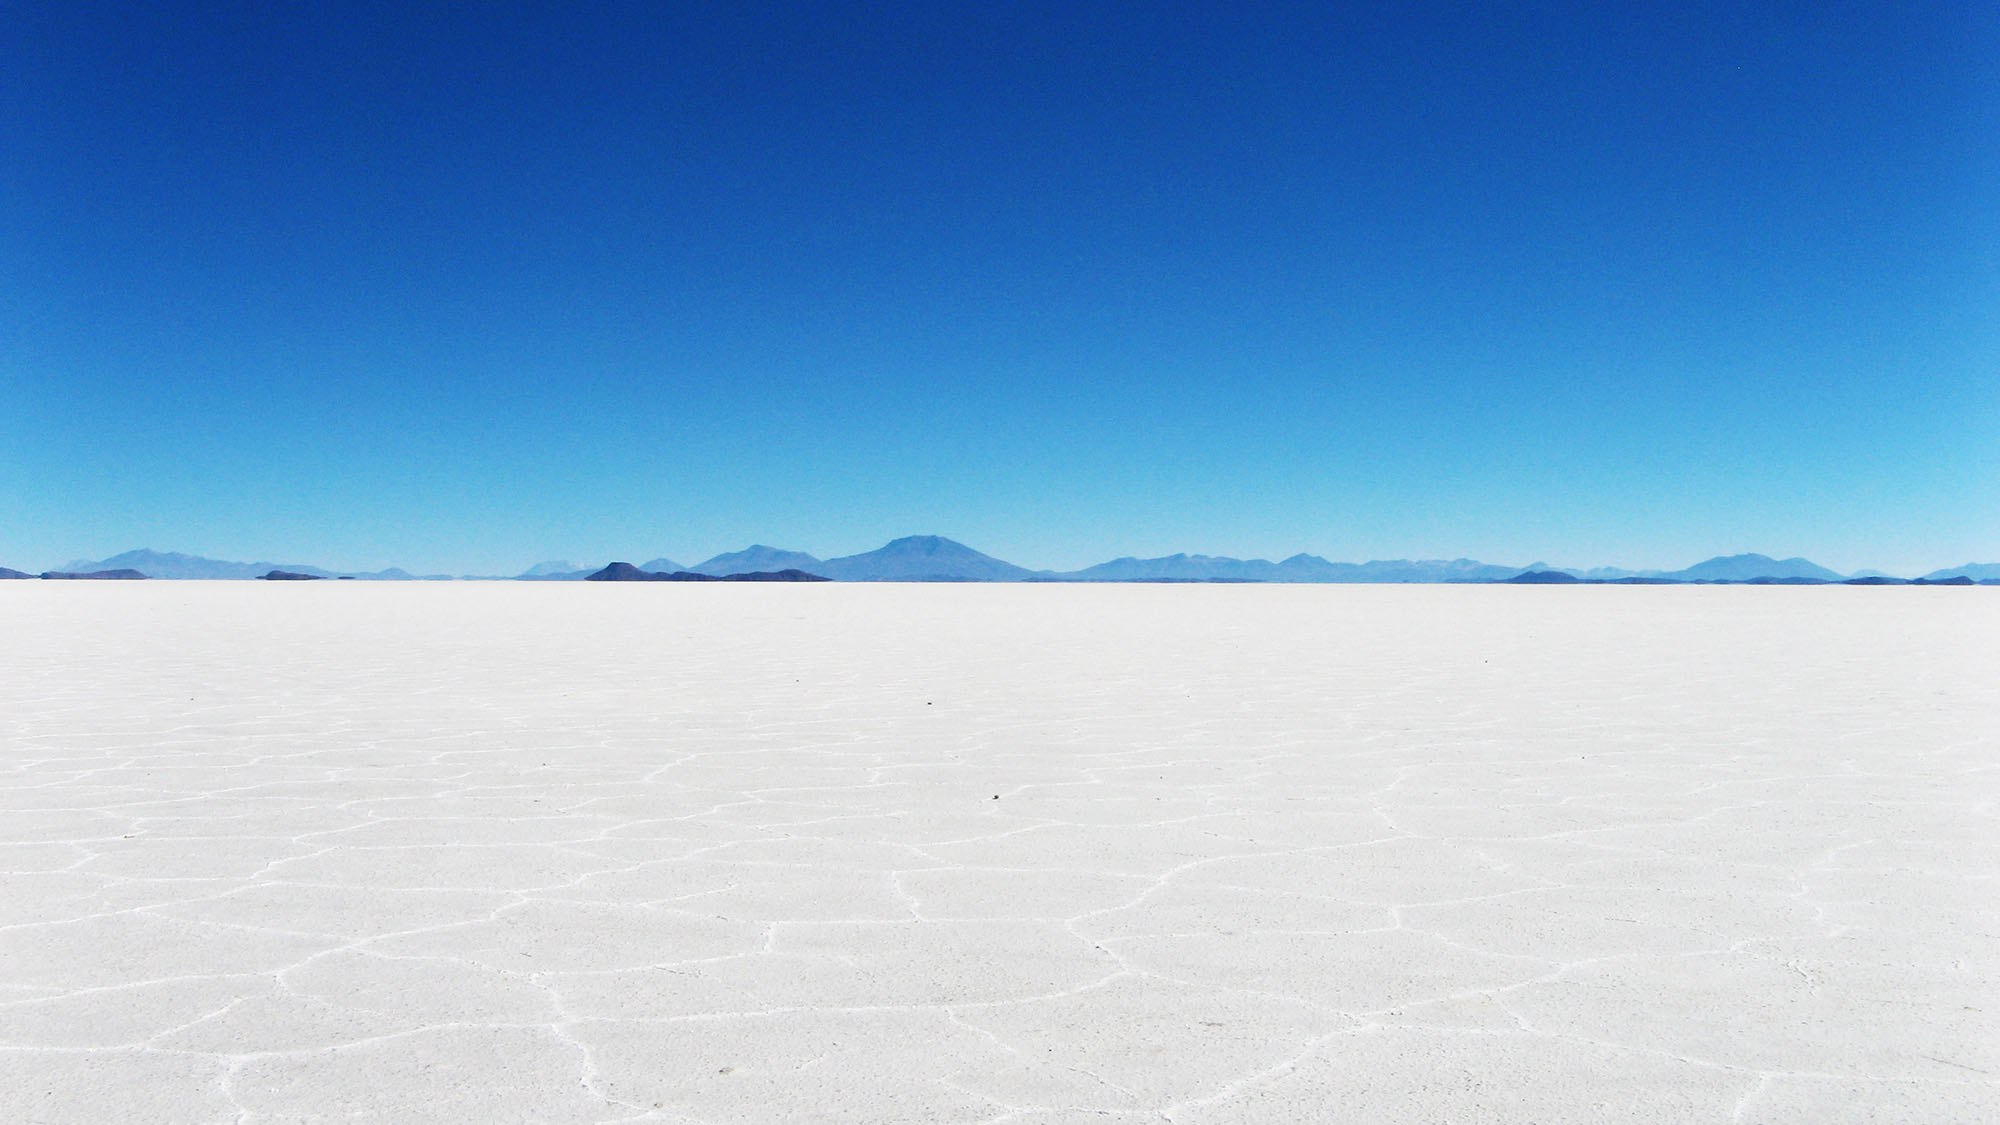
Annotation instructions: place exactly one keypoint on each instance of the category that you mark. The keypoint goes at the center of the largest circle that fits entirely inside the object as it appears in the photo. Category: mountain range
(932, 558)
(173, 564)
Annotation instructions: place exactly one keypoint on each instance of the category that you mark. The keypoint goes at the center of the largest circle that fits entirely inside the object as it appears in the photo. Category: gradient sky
(464, 287)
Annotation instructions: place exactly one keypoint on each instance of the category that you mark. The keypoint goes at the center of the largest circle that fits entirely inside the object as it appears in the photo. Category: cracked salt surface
(998, 853)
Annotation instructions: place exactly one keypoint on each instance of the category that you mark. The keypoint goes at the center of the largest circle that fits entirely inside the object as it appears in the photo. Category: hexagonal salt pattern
(275, 852)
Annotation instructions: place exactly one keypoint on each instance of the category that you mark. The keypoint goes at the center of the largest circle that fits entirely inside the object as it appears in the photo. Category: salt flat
(511, 851)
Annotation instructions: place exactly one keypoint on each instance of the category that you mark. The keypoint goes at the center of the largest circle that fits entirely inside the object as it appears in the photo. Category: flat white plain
(506, 851)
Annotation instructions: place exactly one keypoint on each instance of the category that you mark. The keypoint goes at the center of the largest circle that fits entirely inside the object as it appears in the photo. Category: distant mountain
(1438, 570)
(626, 572)
(122, 573)
(556, 571)
(922, 558)
(9, 572)
(1543, 578)
(789, 574)
(919, 558)
(1180, 568)
(174, 565)
(1978, 572)
(291, 576)
(1610, 573)
(1743, 568)
(756, 558)
(1298, 568)
(1312, 568)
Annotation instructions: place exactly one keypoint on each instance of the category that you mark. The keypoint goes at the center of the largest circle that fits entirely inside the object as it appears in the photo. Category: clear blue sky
(463, 287)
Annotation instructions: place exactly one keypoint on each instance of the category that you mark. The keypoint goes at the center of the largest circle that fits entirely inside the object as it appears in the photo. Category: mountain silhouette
(922, 558)
(1543, 578)
(1744, 568)
(626, 572)
(1978, 572)
(174, 565)
(757, 558)
(1181, 568)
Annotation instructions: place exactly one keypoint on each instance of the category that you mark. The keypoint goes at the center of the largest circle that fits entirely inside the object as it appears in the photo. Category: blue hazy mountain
(555, 570)
(1180, 568)
(174, 565)
(1744, 568)
(9, 572)
(922, 558)
(1419, 570)
(1725, 568)
(1978, 572)
(663, 564)
(1297, 568)
(756, 558)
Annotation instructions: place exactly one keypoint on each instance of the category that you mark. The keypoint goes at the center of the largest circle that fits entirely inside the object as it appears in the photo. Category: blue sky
(464, 287)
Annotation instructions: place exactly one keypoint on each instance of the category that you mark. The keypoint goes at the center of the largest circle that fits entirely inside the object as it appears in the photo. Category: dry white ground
(486, 852)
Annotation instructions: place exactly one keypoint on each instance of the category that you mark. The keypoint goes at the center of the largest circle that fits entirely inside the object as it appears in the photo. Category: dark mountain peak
(789, 575)
(9, 572)
(625, 572)
(1542, 578)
